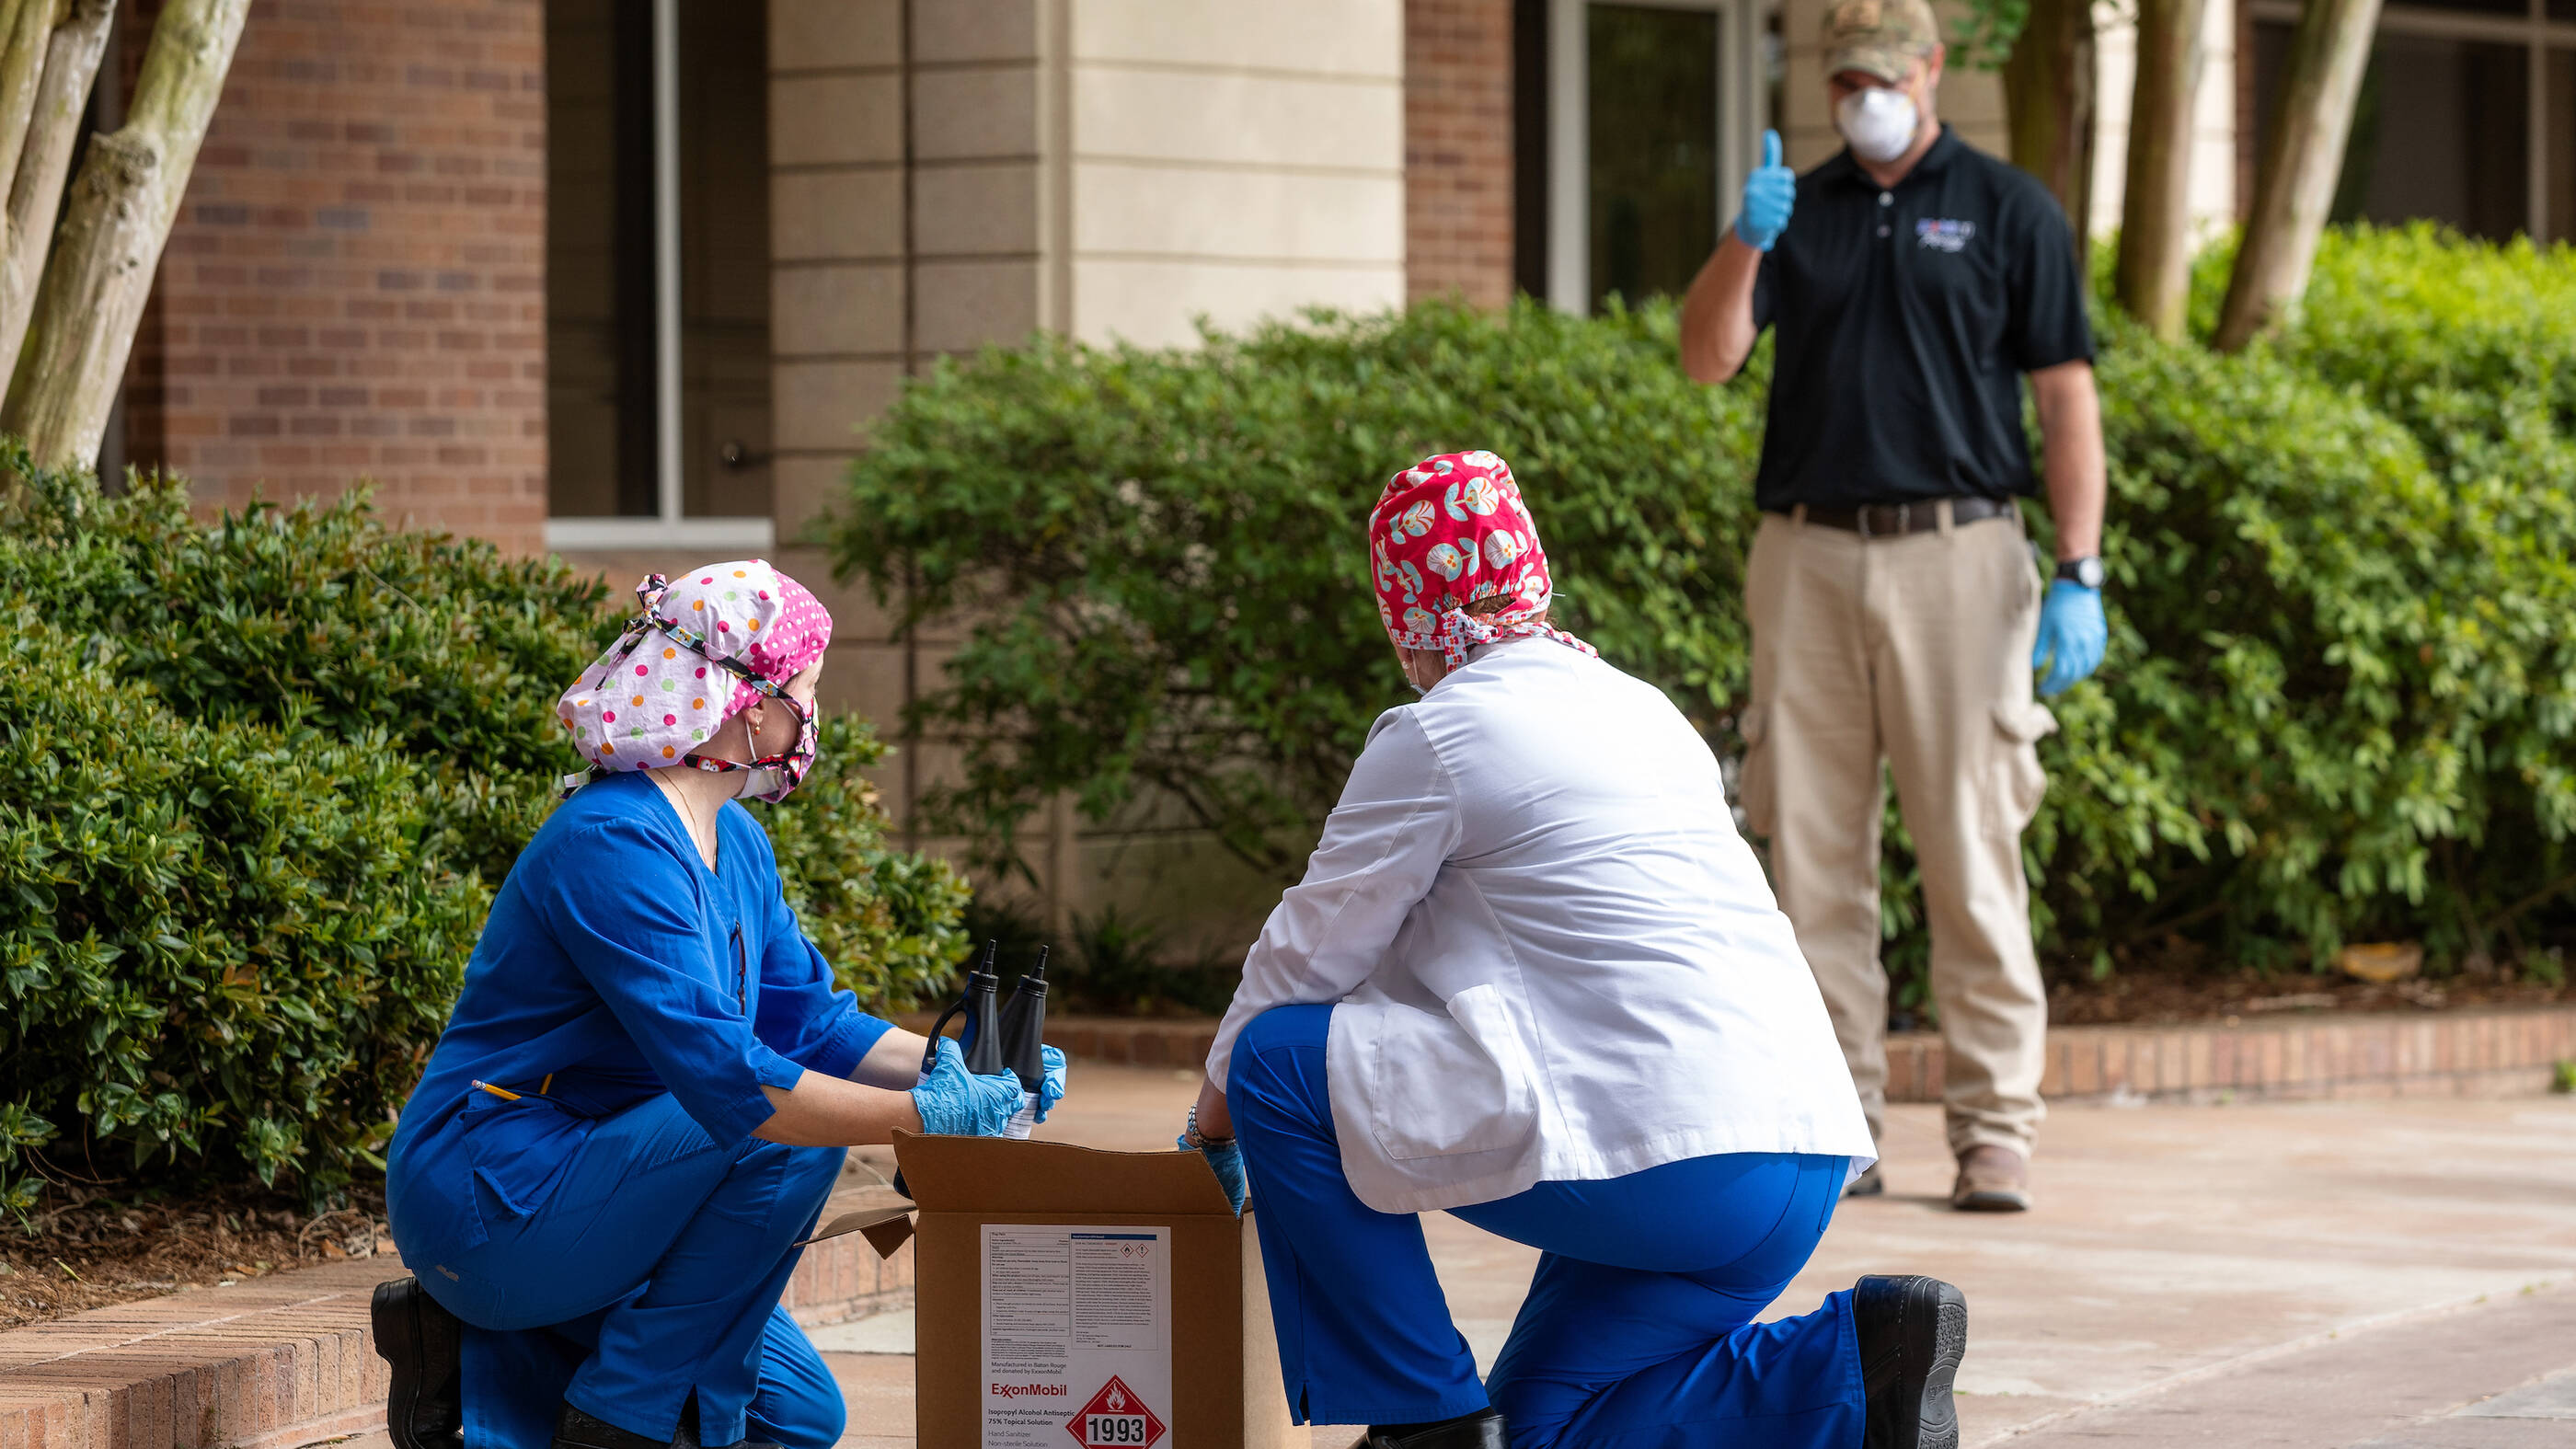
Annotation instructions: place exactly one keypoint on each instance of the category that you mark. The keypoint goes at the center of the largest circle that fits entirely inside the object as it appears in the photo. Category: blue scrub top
(616, 967)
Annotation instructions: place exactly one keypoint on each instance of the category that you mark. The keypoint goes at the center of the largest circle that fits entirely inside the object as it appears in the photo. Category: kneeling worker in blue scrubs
(1534, 977)
(645, 1092)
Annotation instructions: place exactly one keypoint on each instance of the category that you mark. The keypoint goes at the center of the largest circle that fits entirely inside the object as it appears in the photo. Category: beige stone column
(947, 174)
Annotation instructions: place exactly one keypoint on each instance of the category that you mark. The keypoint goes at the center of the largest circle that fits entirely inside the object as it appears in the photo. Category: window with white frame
(1653, 108)
(657, 275)
(2467, 115)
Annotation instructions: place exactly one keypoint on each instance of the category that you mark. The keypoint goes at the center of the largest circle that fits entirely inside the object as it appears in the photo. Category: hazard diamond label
(1115, 1419)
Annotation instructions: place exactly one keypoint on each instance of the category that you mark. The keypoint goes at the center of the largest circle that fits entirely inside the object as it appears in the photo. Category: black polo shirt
(1906, 319)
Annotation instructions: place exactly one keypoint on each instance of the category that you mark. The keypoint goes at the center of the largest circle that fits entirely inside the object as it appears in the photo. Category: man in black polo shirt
(1896, 610)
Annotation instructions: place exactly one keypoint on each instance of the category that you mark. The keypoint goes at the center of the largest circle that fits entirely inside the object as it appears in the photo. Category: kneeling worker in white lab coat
(1533, 977)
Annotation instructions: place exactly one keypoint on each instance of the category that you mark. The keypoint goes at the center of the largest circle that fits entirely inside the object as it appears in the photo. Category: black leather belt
(1894, 519)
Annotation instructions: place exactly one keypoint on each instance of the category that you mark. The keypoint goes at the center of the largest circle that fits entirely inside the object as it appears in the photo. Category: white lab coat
(1554, 958)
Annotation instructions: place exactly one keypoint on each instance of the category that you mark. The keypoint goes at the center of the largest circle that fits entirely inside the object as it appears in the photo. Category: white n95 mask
(1879, 124)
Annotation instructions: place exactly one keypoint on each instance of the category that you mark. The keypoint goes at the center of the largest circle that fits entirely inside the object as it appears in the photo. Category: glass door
(1652, 106)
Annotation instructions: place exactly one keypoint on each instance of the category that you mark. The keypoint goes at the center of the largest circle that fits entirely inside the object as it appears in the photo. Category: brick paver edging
(2321, 1055)
(287, 1360)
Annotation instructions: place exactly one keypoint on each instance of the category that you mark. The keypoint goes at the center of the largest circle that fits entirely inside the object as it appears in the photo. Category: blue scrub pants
(651, 1273)
(1638, 1329)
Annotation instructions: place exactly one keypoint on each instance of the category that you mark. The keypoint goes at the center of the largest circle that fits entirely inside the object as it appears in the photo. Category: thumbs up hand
(1769, 192)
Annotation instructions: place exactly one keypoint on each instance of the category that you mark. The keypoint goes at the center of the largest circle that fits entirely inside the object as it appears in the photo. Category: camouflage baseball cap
(1883, 38)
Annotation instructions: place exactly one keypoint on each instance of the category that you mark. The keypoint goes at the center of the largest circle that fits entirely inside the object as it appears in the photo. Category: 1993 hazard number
(1117, 1429)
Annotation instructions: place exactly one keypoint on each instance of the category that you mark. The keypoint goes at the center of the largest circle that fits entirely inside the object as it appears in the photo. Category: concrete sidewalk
(2327, 1274)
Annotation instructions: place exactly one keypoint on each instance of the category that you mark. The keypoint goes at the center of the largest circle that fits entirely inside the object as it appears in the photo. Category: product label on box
(1077, 1337)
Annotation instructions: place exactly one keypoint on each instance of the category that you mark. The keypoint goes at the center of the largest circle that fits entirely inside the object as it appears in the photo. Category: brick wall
(355, 285)
(1458, 149)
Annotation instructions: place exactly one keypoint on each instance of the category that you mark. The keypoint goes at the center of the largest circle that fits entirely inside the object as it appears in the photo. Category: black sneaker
(420, 1341)
(1913, 1332)
(1483, 1429)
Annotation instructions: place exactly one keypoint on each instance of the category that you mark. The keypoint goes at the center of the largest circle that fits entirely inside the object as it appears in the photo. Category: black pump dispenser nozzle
(1024, 1026)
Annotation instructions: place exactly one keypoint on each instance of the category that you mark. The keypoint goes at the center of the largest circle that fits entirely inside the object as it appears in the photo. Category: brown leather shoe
(1991, 1180)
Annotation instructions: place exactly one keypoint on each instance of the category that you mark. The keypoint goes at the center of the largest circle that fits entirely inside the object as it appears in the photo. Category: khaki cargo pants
(1914, 648)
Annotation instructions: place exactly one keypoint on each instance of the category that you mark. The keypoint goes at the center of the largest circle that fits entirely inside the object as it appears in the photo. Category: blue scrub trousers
(651, 1273)
(1638, 1329)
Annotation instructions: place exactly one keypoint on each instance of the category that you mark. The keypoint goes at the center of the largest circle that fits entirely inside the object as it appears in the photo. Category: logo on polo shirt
(1943, 234)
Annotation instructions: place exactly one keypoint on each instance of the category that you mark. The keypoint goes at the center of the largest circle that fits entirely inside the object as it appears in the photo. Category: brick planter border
(2327, 1055)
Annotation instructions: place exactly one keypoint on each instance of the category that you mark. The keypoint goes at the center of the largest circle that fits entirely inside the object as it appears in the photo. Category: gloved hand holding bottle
(1769, 193)
(955, 1102)
(2072, 636)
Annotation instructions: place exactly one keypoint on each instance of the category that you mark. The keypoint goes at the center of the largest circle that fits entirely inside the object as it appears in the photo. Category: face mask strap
(800, 753)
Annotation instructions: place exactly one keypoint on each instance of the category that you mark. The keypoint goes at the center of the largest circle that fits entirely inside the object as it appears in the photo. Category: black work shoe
(1482, 1429)
(1912, 1333)
(579, 1429)
(421, 1341)
(1868, 1184)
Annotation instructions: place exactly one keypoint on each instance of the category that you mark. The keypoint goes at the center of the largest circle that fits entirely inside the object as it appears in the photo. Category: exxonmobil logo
(1014, 1391)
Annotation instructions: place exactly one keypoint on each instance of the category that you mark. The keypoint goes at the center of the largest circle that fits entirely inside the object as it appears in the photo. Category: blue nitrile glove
(955, 1102)
(1769, 192)
(1050, 1091)
(1225, 1159)
(2072, 635)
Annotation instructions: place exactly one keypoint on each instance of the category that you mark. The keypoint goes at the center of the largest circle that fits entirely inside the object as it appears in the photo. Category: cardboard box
(1124, 1308)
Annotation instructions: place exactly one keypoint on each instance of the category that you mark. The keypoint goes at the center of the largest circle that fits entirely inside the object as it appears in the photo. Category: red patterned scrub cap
(1451, 531)
(697, 652)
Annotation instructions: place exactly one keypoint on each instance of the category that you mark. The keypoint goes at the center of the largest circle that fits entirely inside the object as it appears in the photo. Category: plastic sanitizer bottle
(1022, 1037)
(980, 1037)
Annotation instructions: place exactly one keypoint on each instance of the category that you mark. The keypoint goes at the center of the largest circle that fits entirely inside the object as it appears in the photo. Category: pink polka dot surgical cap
(678, 670)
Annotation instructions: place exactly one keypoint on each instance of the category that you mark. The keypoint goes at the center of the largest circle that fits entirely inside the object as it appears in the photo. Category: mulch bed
(86, 1247)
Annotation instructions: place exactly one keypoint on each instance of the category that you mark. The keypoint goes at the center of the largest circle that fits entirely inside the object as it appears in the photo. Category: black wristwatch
(2086, 571)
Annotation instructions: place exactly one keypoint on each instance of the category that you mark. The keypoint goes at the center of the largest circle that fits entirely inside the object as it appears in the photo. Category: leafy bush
(2463, 342)
(1162, 548)
(2343, 669)
(2333, 704)
(255, 789)
(222, 943)
(2467, 346)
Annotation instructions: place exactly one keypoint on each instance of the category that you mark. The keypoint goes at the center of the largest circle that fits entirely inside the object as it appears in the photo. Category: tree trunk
(36, 191)
(2320, 81)
(100, 273)
(2049, 81)
(2154, 277)
(22, 66)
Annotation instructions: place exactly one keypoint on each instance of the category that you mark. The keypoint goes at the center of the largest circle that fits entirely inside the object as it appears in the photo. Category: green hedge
(1161, 547)
(257, 781)
(2334, 707)
(2468, 344)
